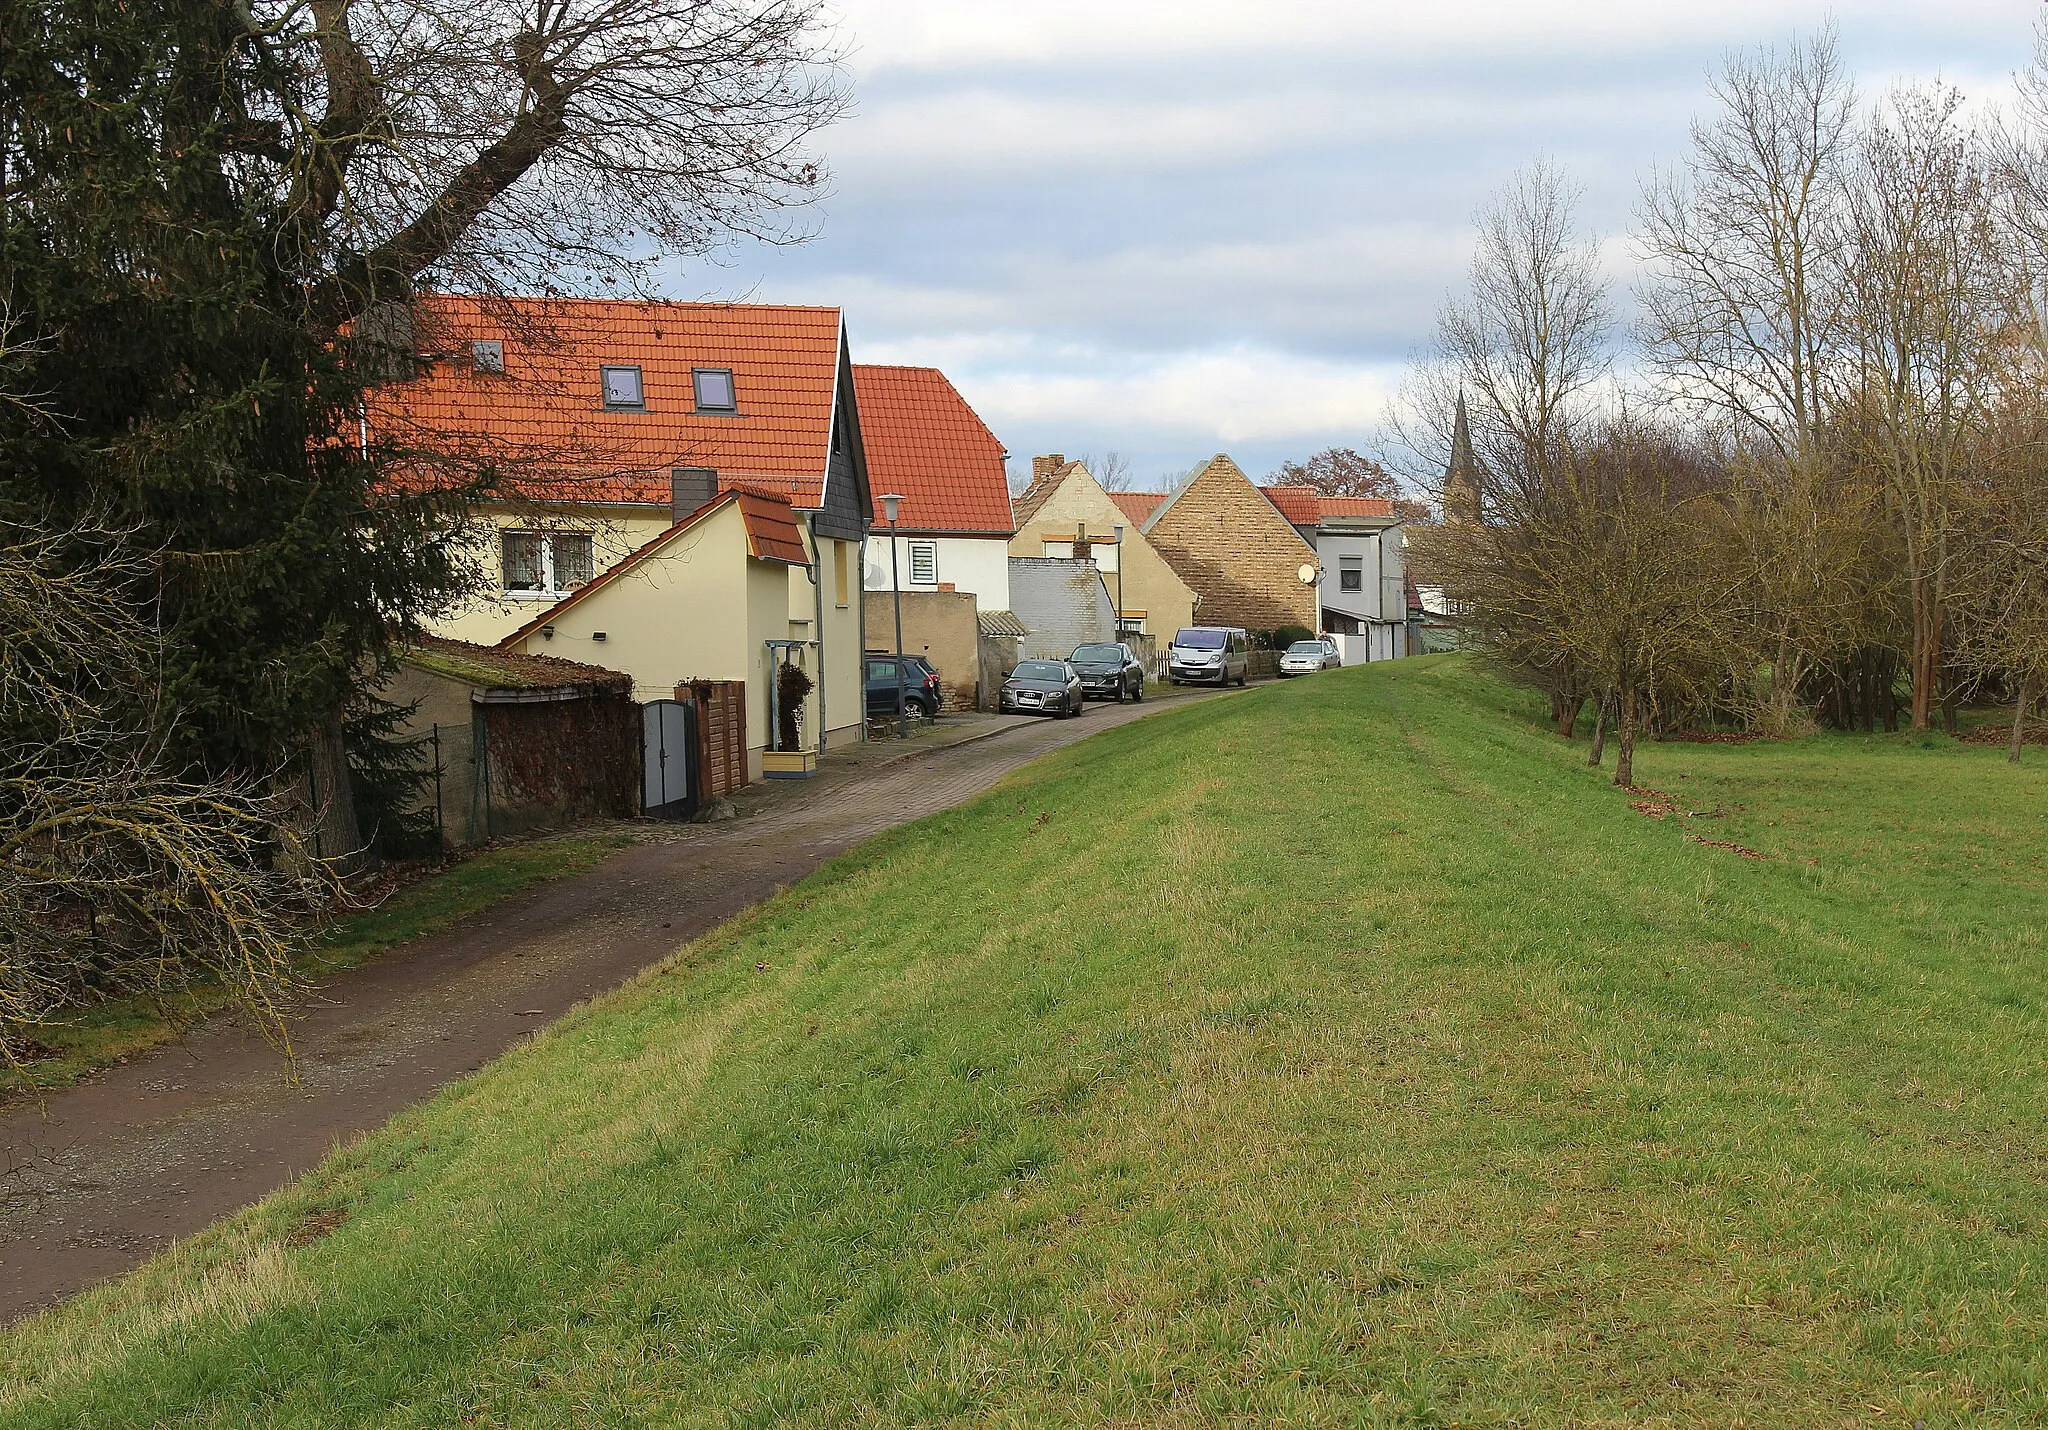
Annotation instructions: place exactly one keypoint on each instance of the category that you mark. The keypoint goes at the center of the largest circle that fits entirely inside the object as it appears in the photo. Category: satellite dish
(1307, 572)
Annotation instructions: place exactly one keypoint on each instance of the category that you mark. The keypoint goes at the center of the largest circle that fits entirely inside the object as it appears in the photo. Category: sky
(1171, 228)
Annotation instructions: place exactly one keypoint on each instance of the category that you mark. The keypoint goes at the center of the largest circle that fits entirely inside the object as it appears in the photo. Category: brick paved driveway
(96, 1178)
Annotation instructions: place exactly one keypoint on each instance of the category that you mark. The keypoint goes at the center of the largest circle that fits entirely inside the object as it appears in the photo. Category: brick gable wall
(1224, 538)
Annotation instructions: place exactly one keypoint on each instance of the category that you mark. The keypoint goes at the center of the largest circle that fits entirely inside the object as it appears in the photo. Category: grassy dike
(1345, 1052)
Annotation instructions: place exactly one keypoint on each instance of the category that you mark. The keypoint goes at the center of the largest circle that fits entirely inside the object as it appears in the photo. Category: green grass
(1341, 1053)
(118, 1028)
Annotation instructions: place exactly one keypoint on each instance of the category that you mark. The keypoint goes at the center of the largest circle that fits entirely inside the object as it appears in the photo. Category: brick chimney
(691, 489)
(1047, 466)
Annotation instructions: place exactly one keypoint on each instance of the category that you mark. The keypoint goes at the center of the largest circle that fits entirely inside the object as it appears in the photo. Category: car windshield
(1039, 670)
(1200, 640)
(1098, 652)
(1306, 648)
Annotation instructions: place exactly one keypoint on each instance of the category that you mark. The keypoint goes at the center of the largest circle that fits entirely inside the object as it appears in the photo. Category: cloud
(1171, 227)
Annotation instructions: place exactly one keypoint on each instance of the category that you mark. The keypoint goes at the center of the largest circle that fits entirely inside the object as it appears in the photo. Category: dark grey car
(1043, 687)
(1109, 672)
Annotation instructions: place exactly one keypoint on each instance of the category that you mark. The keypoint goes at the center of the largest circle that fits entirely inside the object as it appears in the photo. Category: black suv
(921, 692)
(1109, 672)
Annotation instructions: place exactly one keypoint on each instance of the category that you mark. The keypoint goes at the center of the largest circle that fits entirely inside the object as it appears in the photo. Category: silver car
(1308, 657)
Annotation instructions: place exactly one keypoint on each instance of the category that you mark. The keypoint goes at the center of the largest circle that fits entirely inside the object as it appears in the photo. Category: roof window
(714, 389)
(622, 390)
(488, 354)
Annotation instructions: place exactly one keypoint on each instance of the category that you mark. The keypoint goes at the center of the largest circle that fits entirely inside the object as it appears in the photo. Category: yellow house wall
(1150, 585)
(616, 532)
(845, 694)
(677, 616)
(700, 609)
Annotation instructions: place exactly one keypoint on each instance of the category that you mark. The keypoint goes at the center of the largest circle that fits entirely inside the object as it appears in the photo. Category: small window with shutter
(924, 563)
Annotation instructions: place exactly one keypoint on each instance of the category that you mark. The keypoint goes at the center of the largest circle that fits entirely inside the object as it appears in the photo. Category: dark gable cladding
(845, 511)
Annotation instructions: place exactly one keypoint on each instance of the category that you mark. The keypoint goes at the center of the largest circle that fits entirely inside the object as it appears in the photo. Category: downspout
(818, 598)
(861, 601)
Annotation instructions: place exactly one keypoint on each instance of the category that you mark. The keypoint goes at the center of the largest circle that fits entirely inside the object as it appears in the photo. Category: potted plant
(792, 758)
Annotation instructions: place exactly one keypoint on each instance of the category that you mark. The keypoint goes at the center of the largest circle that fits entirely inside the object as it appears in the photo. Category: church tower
(1461, 477)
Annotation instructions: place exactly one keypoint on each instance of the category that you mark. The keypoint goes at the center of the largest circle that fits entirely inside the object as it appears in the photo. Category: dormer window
(714, 389)
(622, 390)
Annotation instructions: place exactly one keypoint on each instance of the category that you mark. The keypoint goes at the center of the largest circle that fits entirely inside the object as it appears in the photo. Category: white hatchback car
(1307, 657)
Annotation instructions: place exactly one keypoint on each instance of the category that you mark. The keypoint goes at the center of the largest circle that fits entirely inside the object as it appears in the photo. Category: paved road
(96, 1178)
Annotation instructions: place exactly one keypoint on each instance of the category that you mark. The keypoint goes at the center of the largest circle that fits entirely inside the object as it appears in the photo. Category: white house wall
(979, 564)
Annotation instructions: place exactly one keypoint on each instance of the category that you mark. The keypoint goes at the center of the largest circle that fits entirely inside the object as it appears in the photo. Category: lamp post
(1118, 532)
(891, 505)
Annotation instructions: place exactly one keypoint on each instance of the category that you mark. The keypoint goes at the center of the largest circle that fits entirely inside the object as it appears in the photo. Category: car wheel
(1138, 694)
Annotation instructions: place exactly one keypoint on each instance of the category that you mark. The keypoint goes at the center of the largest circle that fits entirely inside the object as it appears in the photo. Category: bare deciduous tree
(1742, 310)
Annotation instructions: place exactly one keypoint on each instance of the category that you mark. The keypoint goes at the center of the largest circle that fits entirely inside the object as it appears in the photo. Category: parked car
(1308, 657)
(922, 694)
(1208, 655)
(1329, 644)
(1044, 687)
(1109, 672)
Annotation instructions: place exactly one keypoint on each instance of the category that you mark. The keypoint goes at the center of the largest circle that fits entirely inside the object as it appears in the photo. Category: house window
(839, 577)
(622, 390)
(714, 389)
(1351, 573)
(545, 563)
(924, 563)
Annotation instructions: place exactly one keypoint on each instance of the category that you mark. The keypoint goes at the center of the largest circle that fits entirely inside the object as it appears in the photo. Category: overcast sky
(1173, 229)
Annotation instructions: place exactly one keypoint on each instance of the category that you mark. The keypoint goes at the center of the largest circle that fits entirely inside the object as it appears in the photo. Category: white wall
(980, 564)
(1331, 550)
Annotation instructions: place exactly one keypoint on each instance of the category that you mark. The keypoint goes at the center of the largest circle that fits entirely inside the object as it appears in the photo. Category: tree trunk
(1599, 733)
(336, 836)
(1625, 740)
(1926, 650)
(2019, 723)
(1570, 720)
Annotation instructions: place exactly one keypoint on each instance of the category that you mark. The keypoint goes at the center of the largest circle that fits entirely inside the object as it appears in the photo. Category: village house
(1361, 581)
(683, 487)
(1234, 548)
(926, 445)
(1066, 508)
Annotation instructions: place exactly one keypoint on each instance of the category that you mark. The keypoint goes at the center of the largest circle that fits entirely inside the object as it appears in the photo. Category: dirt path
(96, 1178)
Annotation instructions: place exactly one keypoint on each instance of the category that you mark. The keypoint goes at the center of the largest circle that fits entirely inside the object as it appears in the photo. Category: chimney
(1047, 466)
(691, 489)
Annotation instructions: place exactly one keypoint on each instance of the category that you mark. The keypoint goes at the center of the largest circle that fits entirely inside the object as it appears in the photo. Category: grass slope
(1345, 1052)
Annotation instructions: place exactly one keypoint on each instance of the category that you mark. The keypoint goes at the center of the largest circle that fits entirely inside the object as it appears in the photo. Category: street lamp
(1118, 532)
(891, 504)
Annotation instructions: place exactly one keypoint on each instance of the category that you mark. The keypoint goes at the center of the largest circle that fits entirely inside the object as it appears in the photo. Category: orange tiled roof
(771, 536)
(1297, 504)
(772, 533)
(925, 444)
(1305, 506)
(543, 419)
(1138, 505)
(1355, 506)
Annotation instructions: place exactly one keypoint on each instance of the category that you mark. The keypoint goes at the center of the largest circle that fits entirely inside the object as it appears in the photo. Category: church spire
(1461, 477)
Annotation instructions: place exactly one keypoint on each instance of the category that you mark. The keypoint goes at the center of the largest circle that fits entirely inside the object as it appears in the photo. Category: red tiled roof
(772, 533)
(771, 536)
(925, 444)
(1354, 506)
(1138, 505)
(1305, 506)
(544, 419)
(1297, 504)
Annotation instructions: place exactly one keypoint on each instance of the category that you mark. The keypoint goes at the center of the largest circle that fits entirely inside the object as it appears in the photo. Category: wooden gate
(721, 707)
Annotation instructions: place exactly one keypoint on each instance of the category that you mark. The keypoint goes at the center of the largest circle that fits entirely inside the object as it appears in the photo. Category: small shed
(512, 742)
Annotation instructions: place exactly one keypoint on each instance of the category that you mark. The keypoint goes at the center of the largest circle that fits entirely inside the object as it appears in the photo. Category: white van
(1208, 655)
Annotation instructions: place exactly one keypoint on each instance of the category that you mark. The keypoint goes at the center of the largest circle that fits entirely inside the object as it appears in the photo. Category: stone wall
(1242, 558)
(941, 626)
